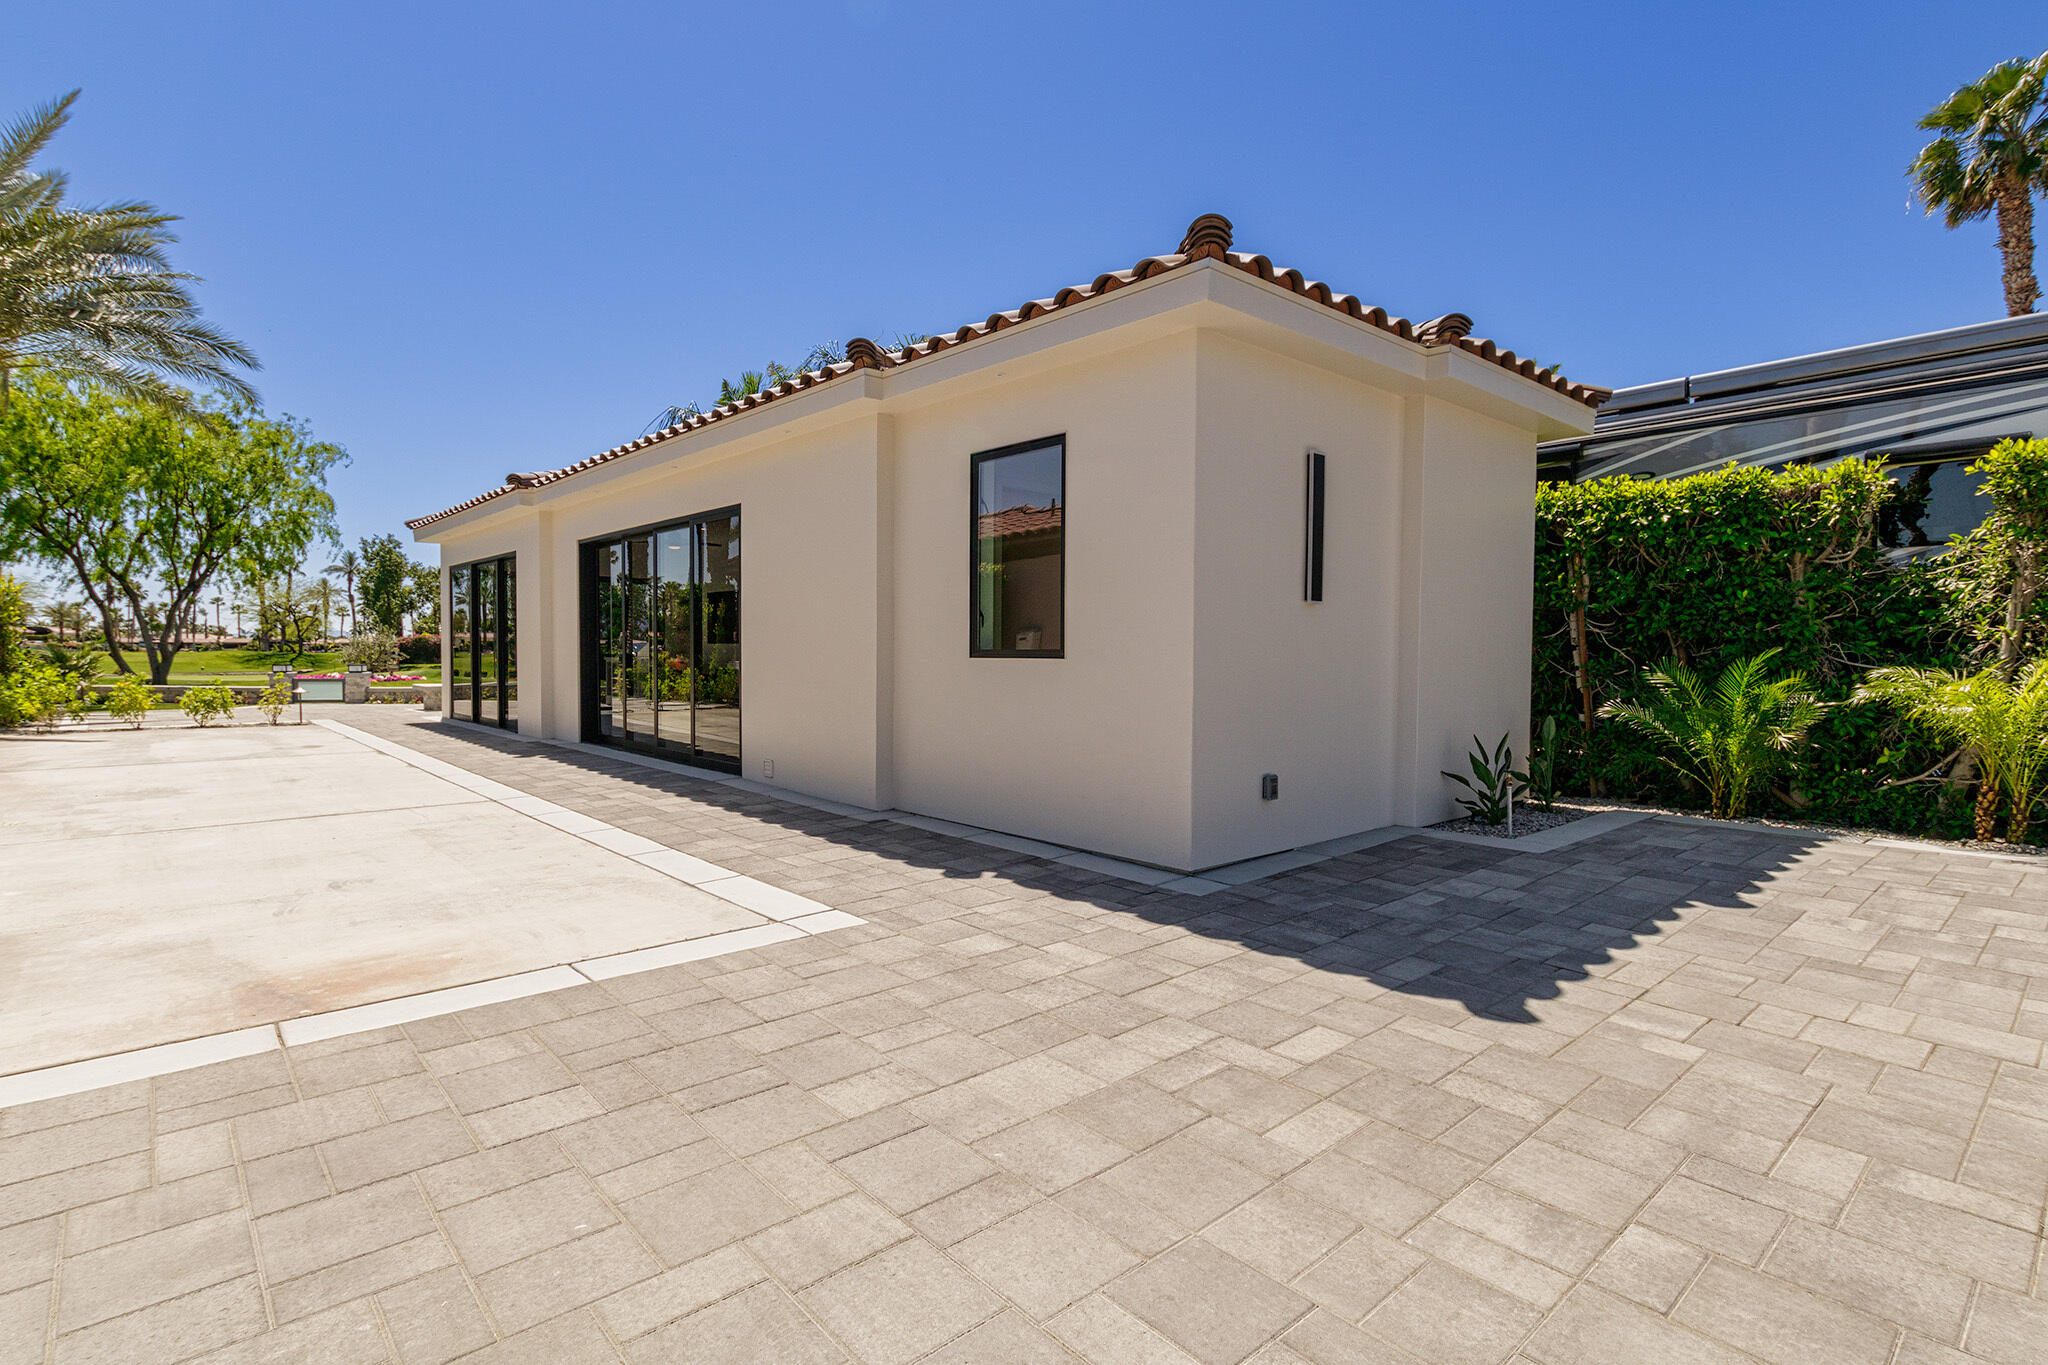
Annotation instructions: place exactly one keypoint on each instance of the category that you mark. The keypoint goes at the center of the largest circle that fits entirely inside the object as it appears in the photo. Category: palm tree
(2003, 722)
(1990, 156)
(89, 292)
(217, 632)
(1729, 737)
(348, 565)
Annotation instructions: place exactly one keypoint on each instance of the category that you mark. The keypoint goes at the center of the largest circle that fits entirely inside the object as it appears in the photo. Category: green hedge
(1715, 566)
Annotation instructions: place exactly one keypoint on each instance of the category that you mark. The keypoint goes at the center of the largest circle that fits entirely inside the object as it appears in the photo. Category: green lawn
(246, 666)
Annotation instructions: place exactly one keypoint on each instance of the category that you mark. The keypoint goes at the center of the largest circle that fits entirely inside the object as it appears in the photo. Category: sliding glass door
(482, 658)
(661, 640)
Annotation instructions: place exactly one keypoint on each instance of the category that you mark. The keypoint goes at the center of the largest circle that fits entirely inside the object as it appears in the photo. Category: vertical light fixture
(1312, 557)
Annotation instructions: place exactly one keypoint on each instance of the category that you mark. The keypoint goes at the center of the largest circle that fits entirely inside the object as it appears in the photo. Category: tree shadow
(1496, 930)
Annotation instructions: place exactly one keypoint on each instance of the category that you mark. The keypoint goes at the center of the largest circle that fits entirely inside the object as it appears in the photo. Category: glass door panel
(675, 594)
(461, 680)
(606, 604)
(483, 630)
(508, 655)
(717, 639)
(637, 642)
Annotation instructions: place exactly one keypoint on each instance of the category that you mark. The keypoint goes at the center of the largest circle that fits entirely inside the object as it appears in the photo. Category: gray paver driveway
(1671, 1094)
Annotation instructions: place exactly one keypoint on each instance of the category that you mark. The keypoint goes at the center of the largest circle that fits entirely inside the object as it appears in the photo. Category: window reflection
(1019, 589)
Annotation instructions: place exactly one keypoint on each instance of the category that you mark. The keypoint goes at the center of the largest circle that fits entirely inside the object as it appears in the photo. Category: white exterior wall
(1468, 529)
(1192, 665)
(1091, 749)
(1282, 685)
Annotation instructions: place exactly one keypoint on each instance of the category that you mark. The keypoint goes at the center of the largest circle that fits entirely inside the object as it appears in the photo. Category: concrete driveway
(167, 883)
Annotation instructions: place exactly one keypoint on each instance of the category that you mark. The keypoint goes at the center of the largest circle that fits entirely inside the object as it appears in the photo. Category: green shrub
(129, 701)
(375, 650)
(208, 704)
(34, 693)
(275, 699)
(1706, 570)
(1729, 737)
(2000, 723)
(1492, 783)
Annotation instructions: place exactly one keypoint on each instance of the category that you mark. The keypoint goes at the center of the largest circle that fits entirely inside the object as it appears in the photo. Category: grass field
(247, 666)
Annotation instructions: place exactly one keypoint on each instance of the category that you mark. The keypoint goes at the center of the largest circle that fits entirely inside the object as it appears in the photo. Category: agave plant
(1728, 737)
(2004, 722)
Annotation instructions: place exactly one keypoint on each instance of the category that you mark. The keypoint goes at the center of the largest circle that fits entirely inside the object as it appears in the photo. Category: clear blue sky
(467, 239)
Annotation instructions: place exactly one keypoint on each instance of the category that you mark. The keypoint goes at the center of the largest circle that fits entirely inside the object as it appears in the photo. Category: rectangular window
(1018, 589)
(1312, 560)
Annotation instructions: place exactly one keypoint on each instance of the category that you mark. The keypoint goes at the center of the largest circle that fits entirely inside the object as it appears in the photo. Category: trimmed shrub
(129, 701)
(419, 649)
(1706, 570)
(207, 704)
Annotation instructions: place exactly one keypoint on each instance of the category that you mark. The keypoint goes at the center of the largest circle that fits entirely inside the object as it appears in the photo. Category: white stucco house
(1193, 563)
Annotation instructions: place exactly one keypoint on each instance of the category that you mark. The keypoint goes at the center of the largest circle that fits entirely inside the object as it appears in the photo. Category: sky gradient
(469, 239)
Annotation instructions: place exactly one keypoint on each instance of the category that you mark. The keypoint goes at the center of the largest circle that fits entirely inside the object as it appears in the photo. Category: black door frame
(504, 648)
(590, 651)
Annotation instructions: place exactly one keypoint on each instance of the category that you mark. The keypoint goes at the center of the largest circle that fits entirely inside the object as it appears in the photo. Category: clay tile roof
(1207, 238)
(1023, 520)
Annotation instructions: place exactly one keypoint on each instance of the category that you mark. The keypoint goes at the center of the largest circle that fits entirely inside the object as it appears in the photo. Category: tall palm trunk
(2016, 243)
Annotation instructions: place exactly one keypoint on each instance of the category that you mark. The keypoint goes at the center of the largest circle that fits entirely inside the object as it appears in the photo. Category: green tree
(288, 614)
(1989, 157)
(2001, 720)
(144, 506)
(88, 293)
(1995, 575)
(424, 592)
(1728, 737)
(384, 586)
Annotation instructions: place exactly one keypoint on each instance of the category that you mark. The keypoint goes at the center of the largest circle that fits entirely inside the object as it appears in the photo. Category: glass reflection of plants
(716, 680)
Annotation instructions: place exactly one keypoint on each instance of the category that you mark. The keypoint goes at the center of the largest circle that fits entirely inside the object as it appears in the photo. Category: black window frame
(974, 464)
(504, 649)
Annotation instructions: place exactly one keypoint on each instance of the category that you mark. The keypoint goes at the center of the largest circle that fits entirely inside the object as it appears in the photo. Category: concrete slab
(159, 885)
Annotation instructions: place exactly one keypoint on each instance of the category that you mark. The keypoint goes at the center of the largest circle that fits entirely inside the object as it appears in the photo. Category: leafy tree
(2002, 721)
(88, 293)
(425, 583)
(1990, 157)
(288, 614)
(1995, 575)
(1728, 737)
(385, 584)
(144, 506)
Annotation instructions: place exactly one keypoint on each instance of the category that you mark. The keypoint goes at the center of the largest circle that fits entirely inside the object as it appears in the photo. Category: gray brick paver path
(1672, 1094)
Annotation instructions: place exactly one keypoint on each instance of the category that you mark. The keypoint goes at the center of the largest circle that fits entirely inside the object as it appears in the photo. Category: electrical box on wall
(1269, 786)
(767, 767)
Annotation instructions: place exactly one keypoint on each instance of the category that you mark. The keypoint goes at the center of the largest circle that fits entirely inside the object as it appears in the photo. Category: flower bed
(374, 677)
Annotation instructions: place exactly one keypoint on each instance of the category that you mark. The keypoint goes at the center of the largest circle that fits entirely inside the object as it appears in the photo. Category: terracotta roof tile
(1208, 238)
(1022, 520)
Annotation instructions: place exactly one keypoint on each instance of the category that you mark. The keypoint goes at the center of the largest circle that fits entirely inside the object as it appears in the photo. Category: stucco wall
(1468, 523)
(1090, 749)
(1192, 665)
(1282, 685)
